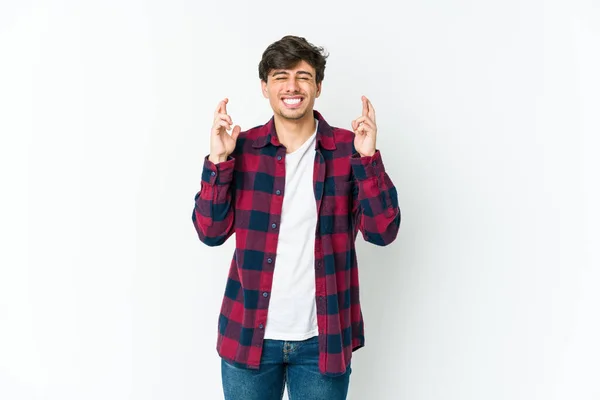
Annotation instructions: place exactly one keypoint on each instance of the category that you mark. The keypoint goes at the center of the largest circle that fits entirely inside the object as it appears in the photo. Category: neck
(292, 133)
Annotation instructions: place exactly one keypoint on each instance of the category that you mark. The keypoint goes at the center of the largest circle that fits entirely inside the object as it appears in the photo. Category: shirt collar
(267, 134)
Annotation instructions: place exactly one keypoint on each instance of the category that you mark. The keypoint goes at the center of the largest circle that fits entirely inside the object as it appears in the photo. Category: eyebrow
(287, 73)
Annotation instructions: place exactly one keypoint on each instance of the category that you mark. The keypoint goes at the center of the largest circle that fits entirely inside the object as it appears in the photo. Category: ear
(265, 92)
(319, 89)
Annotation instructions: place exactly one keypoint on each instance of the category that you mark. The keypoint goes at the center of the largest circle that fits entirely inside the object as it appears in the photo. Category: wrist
(369, 154)
(215, 159)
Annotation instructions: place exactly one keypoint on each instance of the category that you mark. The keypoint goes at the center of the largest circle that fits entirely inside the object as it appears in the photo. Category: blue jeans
(293, 362)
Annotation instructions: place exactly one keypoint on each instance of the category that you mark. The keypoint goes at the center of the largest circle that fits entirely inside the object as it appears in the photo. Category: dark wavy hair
(288, 52)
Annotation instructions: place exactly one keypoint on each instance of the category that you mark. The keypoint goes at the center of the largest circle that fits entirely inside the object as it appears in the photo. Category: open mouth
(292, 102)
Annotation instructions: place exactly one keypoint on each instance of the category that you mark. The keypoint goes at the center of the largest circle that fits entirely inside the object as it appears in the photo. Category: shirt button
(269, 260)
(213, 173)
(273, 226)
(278, 192)
(374, 163)
(278, 158)
(261, 326)
(265, 294)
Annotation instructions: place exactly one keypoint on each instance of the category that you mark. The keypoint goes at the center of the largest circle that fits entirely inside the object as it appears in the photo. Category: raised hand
(222, 143)
(365, 130)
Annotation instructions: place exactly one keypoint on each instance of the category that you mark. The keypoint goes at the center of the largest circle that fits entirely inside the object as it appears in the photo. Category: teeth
(291, 101)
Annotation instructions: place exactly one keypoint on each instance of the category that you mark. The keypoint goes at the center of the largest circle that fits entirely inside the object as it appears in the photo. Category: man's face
(292, 92)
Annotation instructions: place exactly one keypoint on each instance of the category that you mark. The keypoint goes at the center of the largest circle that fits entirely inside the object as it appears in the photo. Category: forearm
(376, 206)
(213, 214)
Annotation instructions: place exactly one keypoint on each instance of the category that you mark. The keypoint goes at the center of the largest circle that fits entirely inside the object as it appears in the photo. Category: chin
(293, 115)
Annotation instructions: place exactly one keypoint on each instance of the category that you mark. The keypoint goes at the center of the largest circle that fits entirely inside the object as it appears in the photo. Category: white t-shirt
(292, 308)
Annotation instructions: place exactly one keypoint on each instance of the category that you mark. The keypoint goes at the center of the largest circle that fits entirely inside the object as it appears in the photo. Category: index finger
(365, 109)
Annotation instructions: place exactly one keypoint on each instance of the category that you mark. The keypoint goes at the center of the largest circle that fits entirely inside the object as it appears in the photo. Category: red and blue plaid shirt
(245, 195)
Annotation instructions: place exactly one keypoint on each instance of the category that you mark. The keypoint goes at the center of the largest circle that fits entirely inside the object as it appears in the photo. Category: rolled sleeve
(221, 173)
(368, 166)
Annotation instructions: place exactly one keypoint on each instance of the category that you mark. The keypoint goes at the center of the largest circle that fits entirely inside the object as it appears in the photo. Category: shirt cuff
(221, 173)
(368, 166)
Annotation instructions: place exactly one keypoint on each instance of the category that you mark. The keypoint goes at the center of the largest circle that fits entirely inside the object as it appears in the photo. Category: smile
(292, 102)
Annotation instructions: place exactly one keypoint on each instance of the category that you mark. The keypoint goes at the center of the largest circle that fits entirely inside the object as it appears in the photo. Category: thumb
(236, 132)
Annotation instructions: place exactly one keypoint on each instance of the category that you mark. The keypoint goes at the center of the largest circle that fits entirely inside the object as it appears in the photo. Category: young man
(296, 192)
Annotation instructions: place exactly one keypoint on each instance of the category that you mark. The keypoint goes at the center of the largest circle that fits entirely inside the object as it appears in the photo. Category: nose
(291, 85)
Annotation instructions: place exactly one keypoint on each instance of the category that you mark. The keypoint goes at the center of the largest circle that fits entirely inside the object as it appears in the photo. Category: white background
(488, 126)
